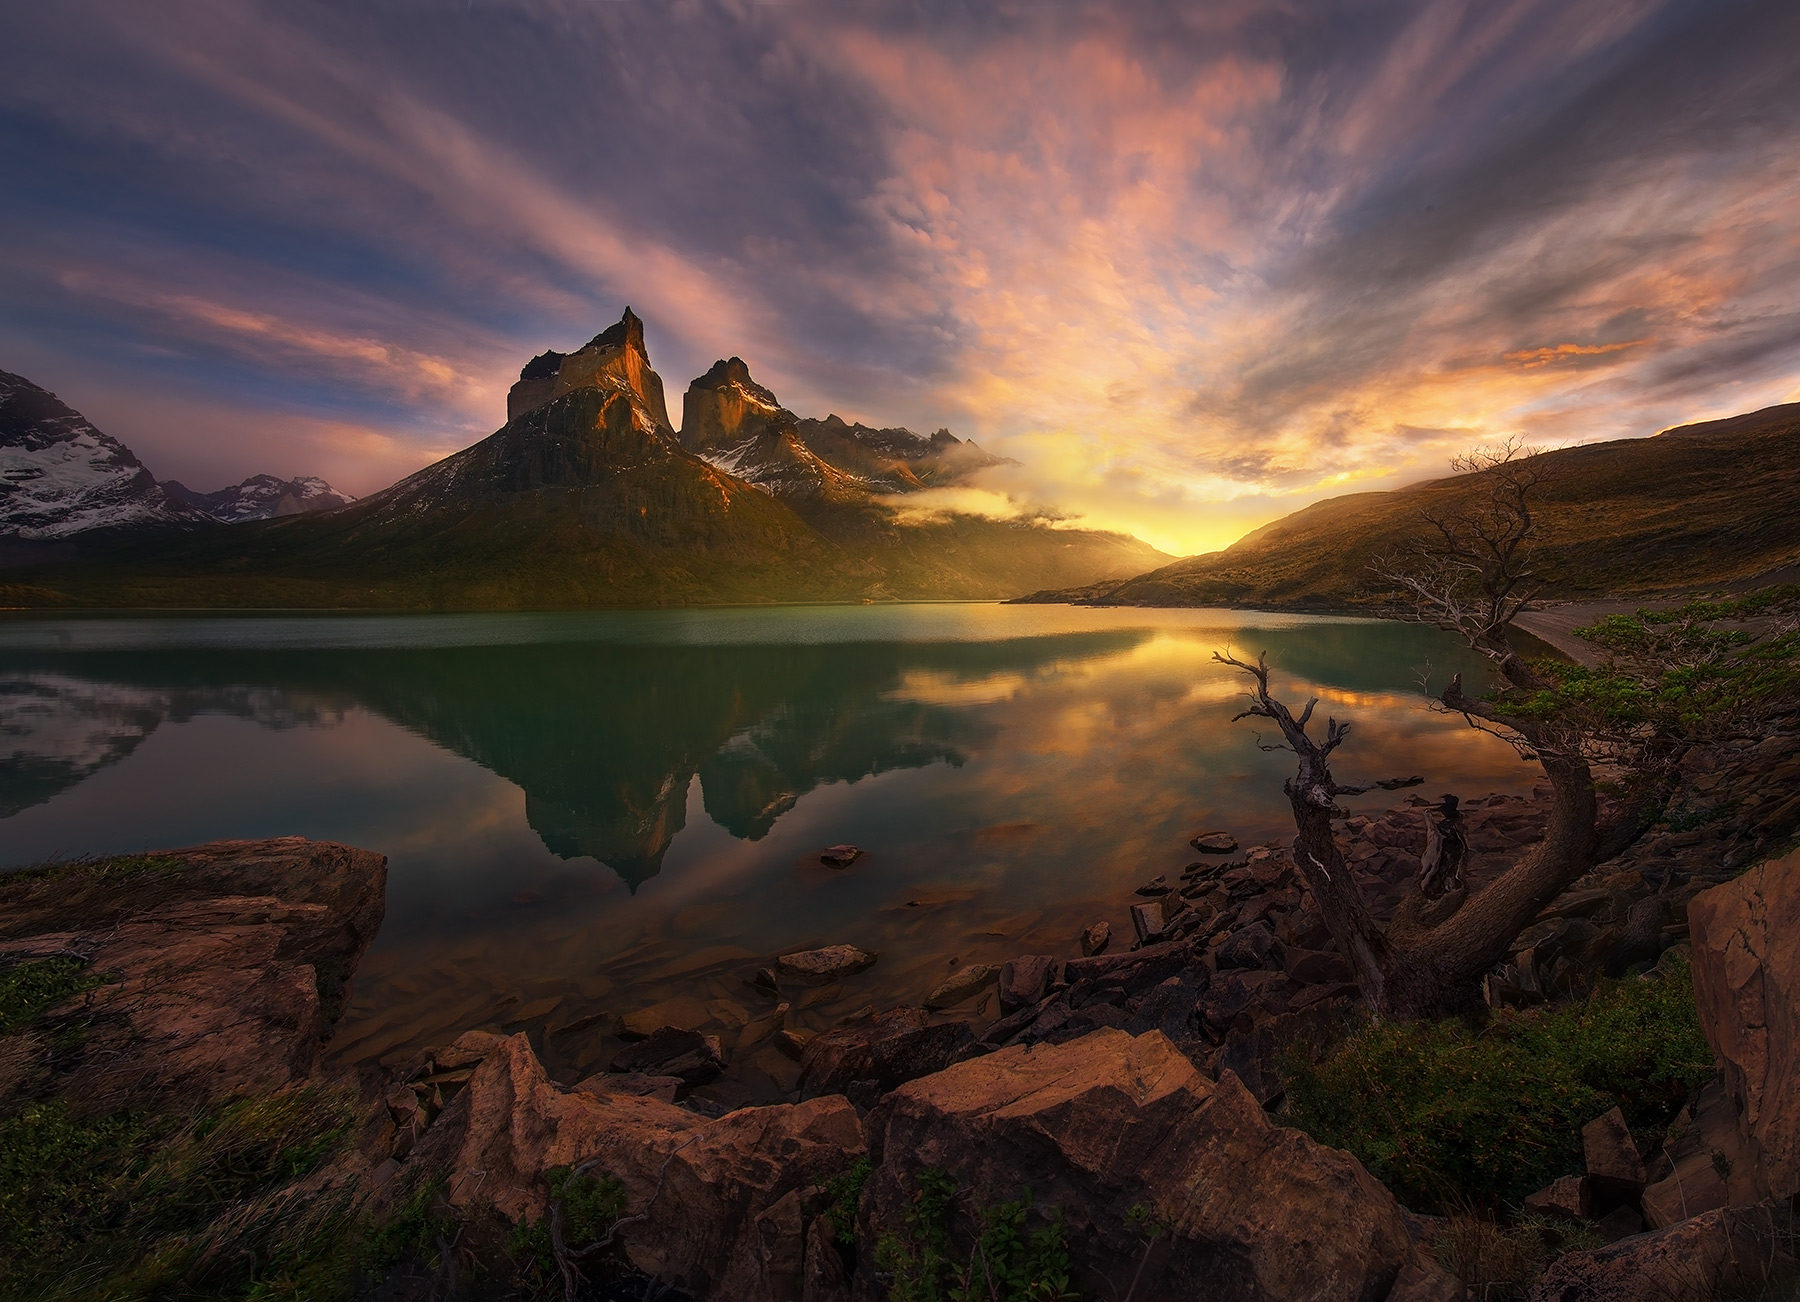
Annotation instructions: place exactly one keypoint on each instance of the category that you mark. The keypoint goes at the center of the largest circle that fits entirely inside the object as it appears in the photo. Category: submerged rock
(840, 856)
(671, 1051)
(828, 963)
(1215, 843)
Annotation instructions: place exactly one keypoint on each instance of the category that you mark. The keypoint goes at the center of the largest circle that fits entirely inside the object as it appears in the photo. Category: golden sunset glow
(1192, 267)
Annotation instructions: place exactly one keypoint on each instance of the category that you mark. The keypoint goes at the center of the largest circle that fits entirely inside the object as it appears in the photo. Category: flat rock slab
(684, 1012)
(825, 964)
(230, 961)
(633, 1084)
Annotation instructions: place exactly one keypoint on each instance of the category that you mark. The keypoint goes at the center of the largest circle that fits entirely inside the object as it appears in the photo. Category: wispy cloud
(1192, 265)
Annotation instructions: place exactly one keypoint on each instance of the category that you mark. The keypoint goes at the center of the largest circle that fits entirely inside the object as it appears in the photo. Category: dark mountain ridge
(1706, 505)
(587, 497)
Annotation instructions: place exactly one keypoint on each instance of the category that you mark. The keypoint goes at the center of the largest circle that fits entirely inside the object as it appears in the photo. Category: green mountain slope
(584, 498)
(1700, 505)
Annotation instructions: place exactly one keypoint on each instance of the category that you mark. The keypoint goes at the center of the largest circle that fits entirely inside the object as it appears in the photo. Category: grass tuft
(109, 868)
(32, 987)
(128, 1206)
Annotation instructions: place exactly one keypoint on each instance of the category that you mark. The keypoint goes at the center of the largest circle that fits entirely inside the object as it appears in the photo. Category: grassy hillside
(1701, 505)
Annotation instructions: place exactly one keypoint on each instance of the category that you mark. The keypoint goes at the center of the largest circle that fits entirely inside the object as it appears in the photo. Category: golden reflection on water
(1087, 780)
(616, 826)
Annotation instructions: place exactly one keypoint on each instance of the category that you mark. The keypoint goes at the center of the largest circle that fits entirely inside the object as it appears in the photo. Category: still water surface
(623, 807)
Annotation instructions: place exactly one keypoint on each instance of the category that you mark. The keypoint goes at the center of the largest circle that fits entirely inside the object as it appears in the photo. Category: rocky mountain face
(59, 476)
(738, 425)
(732, 422)
(260, 497)
(588, 497)
(896, 460)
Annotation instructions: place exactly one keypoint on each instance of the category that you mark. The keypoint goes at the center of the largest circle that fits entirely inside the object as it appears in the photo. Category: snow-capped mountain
(260, 497)
(60, 476)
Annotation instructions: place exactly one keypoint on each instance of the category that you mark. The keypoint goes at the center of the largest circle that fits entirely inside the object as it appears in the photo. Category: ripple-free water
(623, 807)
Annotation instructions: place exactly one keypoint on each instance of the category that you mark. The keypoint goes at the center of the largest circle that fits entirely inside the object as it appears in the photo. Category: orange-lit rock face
(725, 407)
(1746, 979)
(616, 355)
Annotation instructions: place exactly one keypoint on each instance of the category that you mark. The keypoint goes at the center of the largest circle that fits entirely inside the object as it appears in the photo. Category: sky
(1192, 264)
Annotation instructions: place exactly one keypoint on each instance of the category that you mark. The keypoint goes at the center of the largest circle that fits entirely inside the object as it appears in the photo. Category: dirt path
(1556, 625)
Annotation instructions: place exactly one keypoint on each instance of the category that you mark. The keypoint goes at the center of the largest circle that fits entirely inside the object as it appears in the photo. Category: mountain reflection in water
(1013, 772)
(603, 740)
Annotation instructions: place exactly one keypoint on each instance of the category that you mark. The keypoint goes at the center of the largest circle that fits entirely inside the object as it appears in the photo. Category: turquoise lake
(618, 808)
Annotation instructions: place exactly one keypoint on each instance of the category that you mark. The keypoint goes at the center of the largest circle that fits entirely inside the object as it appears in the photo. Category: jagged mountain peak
(626, 332)
(734, 373)
(614, 358)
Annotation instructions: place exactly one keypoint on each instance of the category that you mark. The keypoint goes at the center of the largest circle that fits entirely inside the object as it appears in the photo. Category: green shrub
(845, 1193)
(1005, 1261)
(1449, 1116)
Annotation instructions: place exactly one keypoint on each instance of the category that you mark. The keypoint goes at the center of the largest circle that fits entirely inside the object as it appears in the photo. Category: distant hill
(1701, 505)
(587, 497)
(260, 497)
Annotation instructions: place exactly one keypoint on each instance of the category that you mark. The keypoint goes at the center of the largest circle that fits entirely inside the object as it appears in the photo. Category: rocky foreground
(1135, 1090)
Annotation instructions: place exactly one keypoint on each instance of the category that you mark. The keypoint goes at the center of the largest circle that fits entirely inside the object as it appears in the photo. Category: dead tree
(1473, 576)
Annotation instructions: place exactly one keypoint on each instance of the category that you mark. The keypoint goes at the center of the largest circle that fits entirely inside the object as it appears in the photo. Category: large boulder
(226, 963)
(1109, 1123)
(1746, 957)
(724, 1197)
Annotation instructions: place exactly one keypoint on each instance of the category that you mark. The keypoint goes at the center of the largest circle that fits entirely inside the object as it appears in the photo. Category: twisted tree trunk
(1429, 962)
